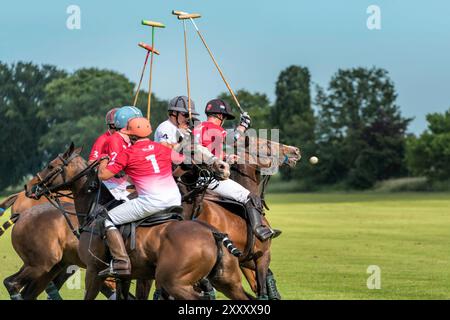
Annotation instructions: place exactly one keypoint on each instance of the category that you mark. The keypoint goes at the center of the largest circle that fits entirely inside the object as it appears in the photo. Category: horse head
(266, 153)
(57, 175)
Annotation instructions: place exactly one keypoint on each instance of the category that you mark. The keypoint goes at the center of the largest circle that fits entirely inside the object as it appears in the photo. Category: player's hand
(245, 120)
(232, 158)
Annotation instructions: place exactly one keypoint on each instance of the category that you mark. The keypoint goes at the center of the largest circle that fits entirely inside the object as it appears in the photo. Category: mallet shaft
(140, 80)
(149, 100)
(187, 70)
(220, 72)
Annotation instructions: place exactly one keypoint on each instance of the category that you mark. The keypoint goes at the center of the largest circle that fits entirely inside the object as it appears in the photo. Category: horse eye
(50, 167)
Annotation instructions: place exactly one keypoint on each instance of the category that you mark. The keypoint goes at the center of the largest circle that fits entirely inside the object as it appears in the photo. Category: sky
(253, 40)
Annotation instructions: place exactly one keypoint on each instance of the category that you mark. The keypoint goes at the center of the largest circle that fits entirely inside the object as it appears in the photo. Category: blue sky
(252, 40)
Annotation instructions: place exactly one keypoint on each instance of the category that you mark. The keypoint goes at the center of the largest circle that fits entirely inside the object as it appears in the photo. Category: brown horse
(256, 254)
(57, 247)
(19, 202)
(176, 254)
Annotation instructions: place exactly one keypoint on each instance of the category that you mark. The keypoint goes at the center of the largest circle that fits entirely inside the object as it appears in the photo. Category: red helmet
(110, 116)
(139, 127)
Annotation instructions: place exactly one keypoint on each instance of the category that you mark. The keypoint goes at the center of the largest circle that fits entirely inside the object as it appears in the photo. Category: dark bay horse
(176, 254)
(256, 254)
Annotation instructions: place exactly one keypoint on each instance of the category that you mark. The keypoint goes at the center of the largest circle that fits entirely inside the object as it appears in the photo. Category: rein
(53, 196)
(64, 212)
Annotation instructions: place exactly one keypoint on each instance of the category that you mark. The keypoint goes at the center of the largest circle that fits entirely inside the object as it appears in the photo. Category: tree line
(353, 125)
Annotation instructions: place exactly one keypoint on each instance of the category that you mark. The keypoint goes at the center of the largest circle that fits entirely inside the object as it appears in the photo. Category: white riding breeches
(230, 189)
(137, 209)
(119, 193)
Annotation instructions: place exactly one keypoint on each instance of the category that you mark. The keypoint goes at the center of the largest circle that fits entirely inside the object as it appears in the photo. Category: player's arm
(95, 151)
(103, 172)
(108, 169)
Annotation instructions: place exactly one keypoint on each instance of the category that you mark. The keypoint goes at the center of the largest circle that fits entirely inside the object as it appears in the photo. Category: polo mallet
(183, 16)
(154, 25)
(187, 67)
(149, 49)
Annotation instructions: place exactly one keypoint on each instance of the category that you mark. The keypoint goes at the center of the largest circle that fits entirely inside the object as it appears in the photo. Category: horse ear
(78, 150)
(69, 151)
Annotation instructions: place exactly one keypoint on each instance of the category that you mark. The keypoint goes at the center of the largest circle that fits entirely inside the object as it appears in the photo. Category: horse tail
(8, 202)
(230, 246)
(222, 238)
(9, 223)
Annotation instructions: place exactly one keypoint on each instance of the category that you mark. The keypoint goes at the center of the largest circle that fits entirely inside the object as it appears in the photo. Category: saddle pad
(170, 214)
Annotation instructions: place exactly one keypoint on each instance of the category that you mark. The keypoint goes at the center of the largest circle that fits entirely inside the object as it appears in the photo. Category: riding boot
(261, 231)
(120, 265)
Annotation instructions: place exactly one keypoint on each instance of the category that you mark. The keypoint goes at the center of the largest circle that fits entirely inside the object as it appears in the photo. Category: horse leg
(143, 288)
(123, 289)
(55, 285)
(40, 280)
(262, 267)
(13, 286)
(229, 279)
(92, 283)
(178, 287)
(208, 290)
(250, 275)
(272, 289)
(180, 291)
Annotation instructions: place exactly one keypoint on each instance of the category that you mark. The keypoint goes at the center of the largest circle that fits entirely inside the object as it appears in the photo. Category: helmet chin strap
(217, 117)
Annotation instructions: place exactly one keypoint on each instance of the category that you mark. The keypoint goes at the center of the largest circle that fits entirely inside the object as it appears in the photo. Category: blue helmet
(124, 114)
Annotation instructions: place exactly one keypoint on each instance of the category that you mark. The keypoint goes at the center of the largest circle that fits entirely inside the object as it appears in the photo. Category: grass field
(329, 241)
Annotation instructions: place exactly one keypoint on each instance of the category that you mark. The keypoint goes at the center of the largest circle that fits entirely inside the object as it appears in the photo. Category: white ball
(313, 160)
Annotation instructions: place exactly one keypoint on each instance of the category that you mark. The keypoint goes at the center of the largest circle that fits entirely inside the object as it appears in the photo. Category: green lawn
(329, 241)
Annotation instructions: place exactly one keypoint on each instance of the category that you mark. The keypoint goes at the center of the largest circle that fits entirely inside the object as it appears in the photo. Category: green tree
(429, 154)
(293, 114)
(75, 107)
(361, 132)
(22, 91)
(256, 104)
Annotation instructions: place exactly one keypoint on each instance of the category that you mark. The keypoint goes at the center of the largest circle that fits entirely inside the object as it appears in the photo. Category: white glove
(245, 120)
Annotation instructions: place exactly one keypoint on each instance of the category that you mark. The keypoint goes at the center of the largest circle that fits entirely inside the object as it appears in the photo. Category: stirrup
(111, 272)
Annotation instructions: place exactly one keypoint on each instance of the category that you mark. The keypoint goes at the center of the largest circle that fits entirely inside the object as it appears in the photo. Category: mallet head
(148, 47)
(189, 16)
(179, 13)
(153, 24)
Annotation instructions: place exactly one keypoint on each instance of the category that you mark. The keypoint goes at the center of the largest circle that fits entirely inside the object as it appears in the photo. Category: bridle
(43, 184)
(43, 188)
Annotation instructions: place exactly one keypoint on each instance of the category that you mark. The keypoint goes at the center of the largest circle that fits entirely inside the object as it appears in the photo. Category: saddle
(128, 230)
(233, 206)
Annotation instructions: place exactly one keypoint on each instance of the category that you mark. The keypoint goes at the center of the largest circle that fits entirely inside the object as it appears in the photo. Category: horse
(43, 240)
(256, 254)
(19, 203)
(176, 254)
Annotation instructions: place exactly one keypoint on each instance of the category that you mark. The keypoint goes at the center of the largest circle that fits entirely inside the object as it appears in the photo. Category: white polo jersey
(167, 132)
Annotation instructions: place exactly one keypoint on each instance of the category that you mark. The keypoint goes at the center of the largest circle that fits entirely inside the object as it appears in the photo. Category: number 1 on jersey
(152, 159)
